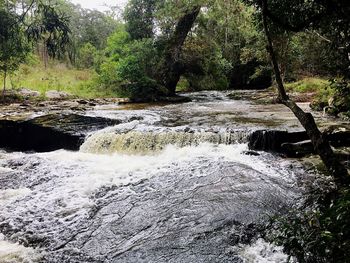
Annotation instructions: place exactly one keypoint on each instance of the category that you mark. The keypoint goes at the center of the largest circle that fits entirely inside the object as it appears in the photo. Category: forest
(268, 78)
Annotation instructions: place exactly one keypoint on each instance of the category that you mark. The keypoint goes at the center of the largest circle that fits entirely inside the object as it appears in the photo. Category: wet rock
(296, 144)
(170, 217)
(339, 135)
(298, 149)
(270, 140)
(174, 99)
(27, 136)
(74, 123)
(49, 132)
(84, 102)
(57, 95)
(252, 153)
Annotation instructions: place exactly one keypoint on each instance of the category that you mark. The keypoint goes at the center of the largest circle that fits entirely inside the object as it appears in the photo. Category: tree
(13, 45)
(37, 21)
(320, 143)
(87, 54)
(171, 68)
(139, 16)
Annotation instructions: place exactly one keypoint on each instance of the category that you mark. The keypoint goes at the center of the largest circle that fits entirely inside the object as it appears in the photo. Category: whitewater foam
(16, 253)
(137, 142)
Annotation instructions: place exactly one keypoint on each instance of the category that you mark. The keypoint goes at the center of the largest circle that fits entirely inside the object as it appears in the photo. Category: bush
(130, 66)
(341, 99)
(319, 235)
(87, 54)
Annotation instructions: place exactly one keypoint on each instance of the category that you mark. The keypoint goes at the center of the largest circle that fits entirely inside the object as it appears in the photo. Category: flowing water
(172, 183)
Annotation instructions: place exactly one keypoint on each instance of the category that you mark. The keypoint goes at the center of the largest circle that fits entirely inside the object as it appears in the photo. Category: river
(171, 183)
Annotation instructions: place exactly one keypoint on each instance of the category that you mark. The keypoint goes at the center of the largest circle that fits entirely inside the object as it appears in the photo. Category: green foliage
(14, 46)
(129, 66)
(87, 56)
(49, 26)
(308, 84)
(86, 26)
(341, 98)
(320, 234)
(205, 67)
(19, 30)
(57, 76)
(139, 17)
(13, 43)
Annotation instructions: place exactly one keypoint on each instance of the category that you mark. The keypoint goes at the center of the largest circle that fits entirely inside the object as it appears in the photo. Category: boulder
(57, 95)
(27, 93)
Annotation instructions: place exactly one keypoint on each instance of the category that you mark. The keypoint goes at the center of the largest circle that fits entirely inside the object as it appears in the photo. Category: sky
(99, 4)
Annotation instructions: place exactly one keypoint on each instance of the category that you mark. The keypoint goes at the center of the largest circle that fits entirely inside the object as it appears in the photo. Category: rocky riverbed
(150, 183)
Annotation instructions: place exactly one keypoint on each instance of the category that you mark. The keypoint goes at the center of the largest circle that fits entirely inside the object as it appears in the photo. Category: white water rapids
(145, 192)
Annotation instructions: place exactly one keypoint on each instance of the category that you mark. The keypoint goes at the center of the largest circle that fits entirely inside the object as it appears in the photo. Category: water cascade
(137, 142)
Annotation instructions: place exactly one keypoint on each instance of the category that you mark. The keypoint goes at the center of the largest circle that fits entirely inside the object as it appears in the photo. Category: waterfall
(136, 142)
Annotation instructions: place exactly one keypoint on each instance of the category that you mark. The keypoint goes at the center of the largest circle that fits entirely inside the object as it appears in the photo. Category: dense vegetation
(159, 47)
(224, 49)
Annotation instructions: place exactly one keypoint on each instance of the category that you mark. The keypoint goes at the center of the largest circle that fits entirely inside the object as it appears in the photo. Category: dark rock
(252, 153)
(296, 144)
(338, 136)
(49, 132)
(264, 140)
(174, 99)
(84, 102)
(136, 118)
(27, 136)
(167, 99)
(298, 149)
(74, 123)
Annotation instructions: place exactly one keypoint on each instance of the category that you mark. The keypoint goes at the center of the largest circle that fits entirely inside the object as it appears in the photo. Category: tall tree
(139, 16)
(13, 45)
(171, 68)
(320, 143)
(28, 22)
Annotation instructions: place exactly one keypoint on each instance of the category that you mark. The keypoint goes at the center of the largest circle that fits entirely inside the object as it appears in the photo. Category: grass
(79, 83)
(309, 84)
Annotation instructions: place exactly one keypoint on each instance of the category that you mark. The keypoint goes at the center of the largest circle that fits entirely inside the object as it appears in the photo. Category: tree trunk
(4, 87)
(320, 144)
(171, 68)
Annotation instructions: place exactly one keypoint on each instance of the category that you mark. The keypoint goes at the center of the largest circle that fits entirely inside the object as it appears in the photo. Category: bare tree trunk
(320, 144)
(4, 87)
(171, 68)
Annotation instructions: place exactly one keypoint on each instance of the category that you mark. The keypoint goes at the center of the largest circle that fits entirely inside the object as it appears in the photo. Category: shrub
(130, 66)
(321, 234)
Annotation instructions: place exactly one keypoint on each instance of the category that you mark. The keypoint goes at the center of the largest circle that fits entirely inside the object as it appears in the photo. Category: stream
(170, 183)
